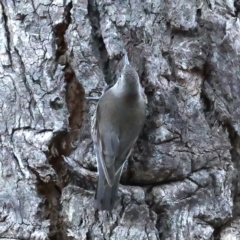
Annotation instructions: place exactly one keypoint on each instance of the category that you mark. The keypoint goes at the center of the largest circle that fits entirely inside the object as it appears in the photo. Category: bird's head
(129, 79)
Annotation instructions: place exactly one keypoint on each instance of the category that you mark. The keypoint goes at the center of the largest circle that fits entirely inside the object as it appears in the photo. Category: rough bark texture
(181, 181)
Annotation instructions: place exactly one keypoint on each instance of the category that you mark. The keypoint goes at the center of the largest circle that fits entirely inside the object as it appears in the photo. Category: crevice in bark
(66, 140)
(170, 61)
(88, 235)
(208, 109)
(161, 225)
(59, 31)
(108, 66)
(207, 103)
(234, 140)
(5, 19)
(216, 233)
(190, 33)
(98, 43)
(209, 4)
(52, 194)
(199, 12)
(237, 7)
(50, 207)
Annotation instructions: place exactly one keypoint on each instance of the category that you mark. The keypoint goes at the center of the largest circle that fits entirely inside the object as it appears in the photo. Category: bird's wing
(106, 146)
(125, 154)
(123, 158)
(109, 149)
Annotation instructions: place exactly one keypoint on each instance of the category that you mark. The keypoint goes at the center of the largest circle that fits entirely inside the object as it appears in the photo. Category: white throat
(121, 88)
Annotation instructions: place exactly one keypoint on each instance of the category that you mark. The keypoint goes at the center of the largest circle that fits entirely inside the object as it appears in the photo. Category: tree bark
(181, 181)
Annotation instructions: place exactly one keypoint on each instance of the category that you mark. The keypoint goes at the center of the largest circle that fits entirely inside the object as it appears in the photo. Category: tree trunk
(181, 181)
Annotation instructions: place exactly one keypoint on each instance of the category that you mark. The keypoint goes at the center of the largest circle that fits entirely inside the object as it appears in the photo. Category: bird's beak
(125, 58)
(126, 61)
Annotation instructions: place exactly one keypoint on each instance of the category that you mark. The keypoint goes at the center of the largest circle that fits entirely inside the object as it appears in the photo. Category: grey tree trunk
(181, 181)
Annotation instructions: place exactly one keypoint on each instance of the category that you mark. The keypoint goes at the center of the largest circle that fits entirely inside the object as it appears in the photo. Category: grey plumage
(118, 120)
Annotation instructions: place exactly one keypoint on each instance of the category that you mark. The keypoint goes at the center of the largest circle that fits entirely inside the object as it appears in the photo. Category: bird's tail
(106, 196)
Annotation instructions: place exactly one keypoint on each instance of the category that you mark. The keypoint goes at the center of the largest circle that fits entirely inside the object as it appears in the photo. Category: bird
(118, 120)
